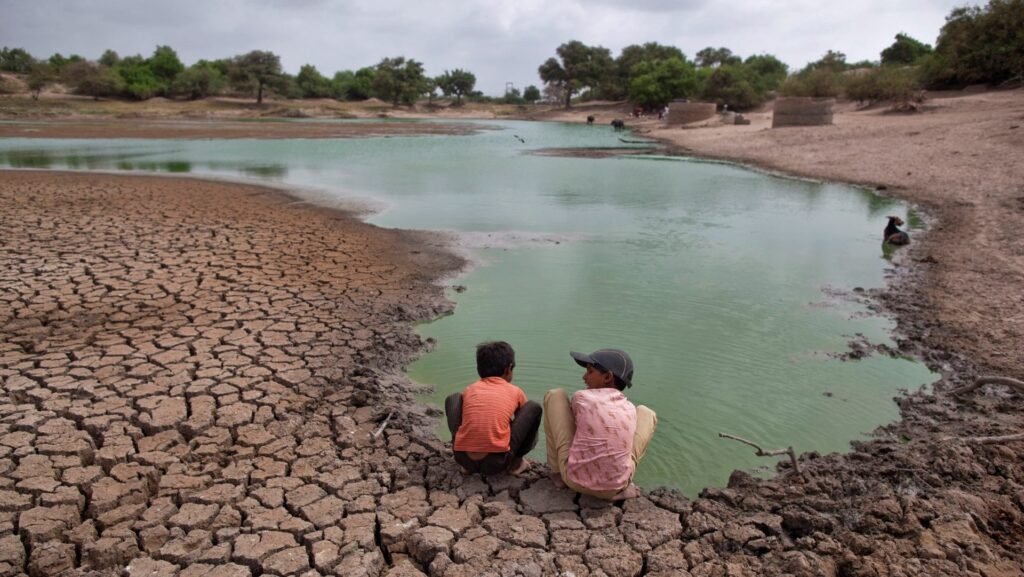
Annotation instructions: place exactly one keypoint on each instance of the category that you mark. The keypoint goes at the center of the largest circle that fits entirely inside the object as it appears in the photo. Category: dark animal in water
(519, 138)
(590, 120)
(892, 234)
(618, 124)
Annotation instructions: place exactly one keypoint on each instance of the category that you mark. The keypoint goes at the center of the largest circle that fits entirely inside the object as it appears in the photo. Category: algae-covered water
(721, 282)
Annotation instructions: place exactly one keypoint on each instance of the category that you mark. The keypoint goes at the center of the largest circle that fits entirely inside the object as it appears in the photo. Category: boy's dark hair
(493, 358)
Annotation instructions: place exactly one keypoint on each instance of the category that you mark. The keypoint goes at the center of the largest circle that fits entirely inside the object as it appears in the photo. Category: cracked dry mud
(193, 372)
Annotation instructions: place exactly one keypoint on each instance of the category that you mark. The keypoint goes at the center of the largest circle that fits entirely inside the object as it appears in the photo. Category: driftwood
(382, 425)
(989, 380)
(981, 382)
(774, 453)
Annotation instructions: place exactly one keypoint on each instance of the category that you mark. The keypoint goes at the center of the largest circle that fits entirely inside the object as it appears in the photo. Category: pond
(724, 284)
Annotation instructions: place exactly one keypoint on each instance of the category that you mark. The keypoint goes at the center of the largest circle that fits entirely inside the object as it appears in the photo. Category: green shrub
(887, 83)
(819, 82)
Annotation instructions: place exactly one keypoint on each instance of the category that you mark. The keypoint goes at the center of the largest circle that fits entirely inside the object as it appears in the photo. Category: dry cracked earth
(203, 379)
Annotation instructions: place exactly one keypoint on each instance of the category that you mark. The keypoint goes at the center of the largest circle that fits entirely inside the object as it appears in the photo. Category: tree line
(397, 80)
(975, 45)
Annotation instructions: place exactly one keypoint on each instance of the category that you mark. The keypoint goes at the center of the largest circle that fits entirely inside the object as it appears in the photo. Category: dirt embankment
(198, 376)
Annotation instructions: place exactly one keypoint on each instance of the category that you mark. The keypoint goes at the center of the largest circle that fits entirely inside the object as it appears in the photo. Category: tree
(139, 80)
(979, 45)
(16, 60)
(39, 78)
(629, 58)
(457, 82)
(165, 66)
(531, 93)
(715, 57)
(256, 69)
(833, 61)
(200, 80)
(905, 50)
(765, 73)
(578, 66)
(655, 84)
(109, 59)
(58, 61)
(730, 86)
(398, 80)
(91, 79)
(312, 84)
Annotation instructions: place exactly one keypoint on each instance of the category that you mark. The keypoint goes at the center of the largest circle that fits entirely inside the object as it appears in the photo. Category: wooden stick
(763, 453)
(988, 440)
(989, 380)
(382, 425)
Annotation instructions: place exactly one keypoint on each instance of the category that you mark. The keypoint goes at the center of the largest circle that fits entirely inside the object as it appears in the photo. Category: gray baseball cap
(614, 360)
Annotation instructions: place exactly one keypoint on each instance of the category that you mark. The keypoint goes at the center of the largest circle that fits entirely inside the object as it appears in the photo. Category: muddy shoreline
(303, 487)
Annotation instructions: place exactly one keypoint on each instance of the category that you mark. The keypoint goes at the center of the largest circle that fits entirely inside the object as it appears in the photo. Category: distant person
(596, 440)
(492, 423)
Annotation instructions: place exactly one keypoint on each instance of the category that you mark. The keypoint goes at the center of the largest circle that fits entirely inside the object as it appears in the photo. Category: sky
(500, 41)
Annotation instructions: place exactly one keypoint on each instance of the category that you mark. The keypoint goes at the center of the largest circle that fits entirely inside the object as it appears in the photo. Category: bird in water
(892, 234)
(519, 138)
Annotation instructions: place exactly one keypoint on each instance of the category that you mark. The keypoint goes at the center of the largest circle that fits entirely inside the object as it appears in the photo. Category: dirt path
(193, 374)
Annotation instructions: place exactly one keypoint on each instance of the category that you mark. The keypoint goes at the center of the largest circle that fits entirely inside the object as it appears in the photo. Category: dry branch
(760, 452)
(989, 380)
(382, 425)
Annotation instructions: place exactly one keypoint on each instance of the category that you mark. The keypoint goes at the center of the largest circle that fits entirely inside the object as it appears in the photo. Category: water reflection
(130, 161)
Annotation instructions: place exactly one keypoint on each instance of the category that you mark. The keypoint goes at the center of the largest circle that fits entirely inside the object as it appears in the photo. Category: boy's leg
(646, 422)
(559, 428)
(453, 412)
(525, 426)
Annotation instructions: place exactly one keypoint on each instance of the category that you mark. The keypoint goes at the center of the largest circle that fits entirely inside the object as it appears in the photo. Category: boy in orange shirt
(493, 425)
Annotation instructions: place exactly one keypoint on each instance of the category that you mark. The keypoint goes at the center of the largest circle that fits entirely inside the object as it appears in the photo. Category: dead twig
(382, 425)
(989, 380)
(763, 453)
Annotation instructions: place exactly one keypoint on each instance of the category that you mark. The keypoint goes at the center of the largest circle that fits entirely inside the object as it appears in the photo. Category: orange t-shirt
(488, 406)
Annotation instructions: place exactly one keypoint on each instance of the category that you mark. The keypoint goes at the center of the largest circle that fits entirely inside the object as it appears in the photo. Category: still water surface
(716, 279)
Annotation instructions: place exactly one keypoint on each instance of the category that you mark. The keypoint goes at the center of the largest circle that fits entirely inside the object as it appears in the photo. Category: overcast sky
(499, 41)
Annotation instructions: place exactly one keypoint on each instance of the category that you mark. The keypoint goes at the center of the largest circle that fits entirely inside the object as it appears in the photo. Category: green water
(716, 279)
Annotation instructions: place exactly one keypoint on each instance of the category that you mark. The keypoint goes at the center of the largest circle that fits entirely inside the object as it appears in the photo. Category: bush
(819, 83)
(887, 83)
(91, 79)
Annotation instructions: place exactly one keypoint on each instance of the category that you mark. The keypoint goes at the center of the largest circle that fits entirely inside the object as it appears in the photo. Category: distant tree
(312, 84)
(257, 70)
(200, 80)
(765, 72)
(165, 66)
(715, 57)
(833, 60)
(140, 82)
(16, 60)
(578, 66)
(657, 83)
(729, 85)
(457, 82)
(58, 61)
(109, 59)
(629, 58)
(531, 93)
(91, 79)
(905, 50)
(39, 78)
(979, 44)
(398, 80)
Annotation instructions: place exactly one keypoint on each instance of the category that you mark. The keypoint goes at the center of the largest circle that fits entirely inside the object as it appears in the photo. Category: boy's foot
(630, 492)
(556, 478)
(523, 466)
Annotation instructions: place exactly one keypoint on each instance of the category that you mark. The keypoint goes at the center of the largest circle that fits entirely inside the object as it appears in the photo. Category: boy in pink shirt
(595, 442)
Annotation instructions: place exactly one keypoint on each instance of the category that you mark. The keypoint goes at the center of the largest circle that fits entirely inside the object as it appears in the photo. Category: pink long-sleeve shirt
(600, 457)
